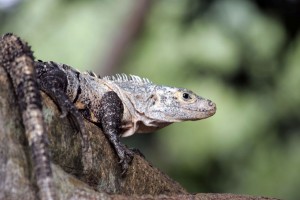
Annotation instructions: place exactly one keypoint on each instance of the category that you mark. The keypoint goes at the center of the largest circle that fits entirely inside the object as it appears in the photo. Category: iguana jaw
(201, 109)
(178, 114)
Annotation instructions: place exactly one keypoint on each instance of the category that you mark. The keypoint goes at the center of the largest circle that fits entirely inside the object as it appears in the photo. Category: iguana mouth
(203, 110)
(206, 110)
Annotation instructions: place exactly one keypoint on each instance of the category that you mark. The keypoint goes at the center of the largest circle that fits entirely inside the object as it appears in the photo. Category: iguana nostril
(211, 104)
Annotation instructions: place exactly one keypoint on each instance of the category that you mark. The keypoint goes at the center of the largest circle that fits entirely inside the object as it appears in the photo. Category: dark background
(244, 55)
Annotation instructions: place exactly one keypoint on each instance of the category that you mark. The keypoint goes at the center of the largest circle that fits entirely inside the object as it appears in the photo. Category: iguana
(120, 105)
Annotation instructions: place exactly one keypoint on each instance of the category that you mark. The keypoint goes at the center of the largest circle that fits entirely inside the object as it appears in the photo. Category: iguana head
(149, 107)
(172, 104)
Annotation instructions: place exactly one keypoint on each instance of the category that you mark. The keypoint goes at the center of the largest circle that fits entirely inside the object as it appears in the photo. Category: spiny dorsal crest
(91, 73)
(126, 78)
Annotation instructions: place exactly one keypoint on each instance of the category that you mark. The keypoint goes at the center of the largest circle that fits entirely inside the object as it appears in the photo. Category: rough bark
(94, 174)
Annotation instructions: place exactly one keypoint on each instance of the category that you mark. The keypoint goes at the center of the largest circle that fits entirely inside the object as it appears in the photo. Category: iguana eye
(186, 96)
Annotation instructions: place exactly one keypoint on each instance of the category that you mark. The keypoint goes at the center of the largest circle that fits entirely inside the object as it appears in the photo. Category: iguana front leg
(53, 82)
(111, 112)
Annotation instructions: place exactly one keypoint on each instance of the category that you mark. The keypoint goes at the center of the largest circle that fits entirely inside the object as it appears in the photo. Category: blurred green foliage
(231, 51)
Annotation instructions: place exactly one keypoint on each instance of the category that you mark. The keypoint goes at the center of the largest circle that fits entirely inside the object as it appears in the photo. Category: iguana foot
(125, 157)
(137, 151)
